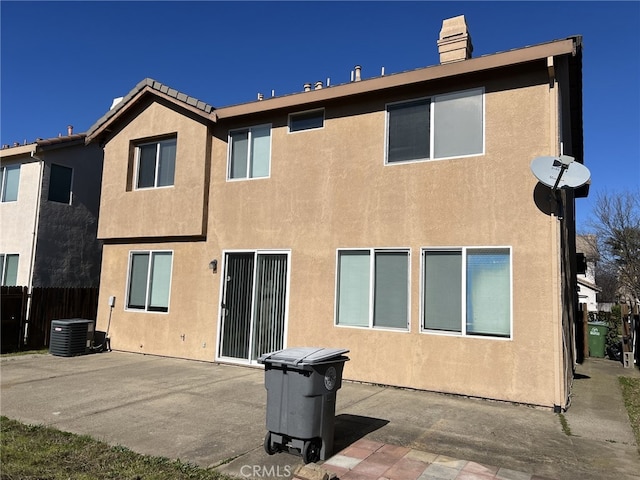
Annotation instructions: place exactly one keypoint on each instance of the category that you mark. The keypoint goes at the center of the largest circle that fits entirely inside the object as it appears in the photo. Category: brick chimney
(454, 43)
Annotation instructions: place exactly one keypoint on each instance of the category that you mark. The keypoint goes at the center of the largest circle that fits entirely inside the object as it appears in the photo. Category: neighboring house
(394, 216)
(49, 213)
(587, 288)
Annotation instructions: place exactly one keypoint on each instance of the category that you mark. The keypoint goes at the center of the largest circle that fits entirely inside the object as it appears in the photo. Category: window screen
(408, 131)
(442, 290)
(391, 290)
(488, 292)
(306, 121)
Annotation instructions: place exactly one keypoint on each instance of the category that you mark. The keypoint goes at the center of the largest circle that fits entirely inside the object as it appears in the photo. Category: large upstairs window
(442, 126)
(249, 153)
(156, 164)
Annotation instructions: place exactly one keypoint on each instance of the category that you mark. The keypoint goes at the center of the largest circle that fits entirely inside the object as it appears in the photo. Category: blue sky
(63, 62)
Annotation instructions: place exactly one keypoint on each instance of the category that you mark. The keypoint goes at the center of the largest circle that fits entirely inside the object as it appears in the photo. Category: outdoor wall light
(213, 266)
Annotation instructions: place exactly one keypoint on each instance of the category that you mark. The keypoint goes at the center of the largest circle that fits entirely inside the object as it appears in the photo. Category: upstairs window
(156, 164)
(60, 181)
(10, 181)
(442, 126)
(373, 289)
(8, 269)
(149, 281)
(306, 120)
(249, 153)
(408, 131)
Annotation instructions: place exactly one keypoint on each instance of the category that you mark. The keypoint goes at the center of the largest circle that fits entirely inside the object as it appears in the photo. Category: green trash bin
(597, 338)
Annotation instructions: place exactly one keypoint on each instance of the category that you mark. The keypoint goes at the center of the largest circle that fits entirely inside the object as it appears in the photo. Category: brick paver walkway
(369, 460)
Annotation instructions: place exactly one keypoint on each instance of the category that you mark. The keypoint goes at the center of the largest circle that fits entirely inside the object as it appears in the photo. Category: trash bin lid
(302, 355)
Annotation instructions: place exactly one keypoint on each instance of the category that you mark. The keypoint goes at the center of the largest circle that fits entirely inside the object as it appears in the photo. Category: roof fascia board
(6, 153)
(473, 65)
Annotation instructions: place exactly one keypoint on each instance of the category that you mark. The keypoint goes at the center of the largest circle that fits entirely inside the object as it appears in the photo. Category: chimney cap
(454, 26)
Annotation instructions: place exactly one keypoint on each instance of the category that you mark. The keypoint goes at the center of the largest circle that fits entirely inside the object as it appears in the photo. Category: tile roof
(150, 83)
(45, 142)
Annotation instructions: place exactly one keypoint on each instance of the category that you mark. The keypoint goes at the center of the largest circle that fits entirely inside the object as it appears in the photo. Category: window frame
(307, 114)
(3, 182)
(432, 102)
(372, 288)
(137, 153)
(249, 163)
(3, 268)
(148, 291)
(464, 251)
(51, 169)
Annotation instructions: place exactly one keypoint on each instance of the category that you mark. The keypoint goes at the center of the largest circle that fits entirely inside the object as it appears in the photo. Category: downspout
(556, 290)
(34, 239)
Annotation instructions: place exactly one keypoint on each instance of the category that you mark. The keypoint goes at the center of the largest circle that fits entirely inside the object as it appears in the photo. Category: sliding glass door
(254, 307)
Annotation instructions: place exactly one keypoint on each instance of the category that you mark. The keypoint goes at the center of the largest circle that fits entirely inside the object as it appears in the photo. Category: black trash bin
(301, 388)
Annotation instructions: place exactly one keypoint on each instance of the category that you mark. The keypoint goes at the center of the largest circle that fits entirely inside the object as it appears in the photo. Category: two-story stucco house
(49, 213)
(394, 216)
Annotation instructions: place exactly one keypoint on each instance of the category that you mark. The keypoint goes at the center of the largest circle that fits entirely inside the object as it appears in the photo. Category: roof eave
(60, 142)
(18, 150)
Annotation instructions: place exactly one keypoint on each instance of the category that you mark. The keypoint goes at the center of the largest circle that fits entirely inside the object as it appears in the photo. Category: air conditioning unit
(71, 337)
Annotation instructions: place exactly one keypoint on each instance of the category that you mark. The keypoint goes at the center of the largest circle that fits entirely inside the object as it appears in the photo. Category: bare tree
(615, 223)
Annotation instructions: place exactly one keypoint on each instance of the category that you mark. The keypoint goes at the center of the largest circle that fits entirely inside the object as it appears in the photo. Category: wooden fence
(46, 304)
(14, 311)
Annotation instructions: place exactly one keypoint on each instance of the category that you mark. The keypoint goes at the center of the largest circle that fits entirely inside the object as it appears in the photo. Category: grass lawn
(26, 352)
(631, 397)
(37, 452)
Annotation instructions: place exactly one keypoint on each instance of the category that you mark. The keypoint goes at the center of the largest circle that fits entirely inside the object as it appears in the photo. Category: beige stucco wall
(330, 189)
(192, 308)
(170, 211)
(17, 219)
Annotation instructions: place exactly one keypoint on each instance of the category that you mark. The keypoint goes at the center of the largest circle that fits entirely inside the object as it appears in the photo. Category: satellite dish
(560, 172)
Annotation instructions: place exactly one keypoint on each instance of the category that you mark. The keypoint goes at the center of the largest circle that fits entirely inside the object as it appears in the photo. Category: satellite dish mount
(561, 172)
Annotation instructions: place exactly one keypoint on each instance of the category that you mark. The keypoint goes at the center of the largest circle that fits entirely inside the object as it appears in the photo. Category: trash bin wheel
(311, 450)
(269, 447)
